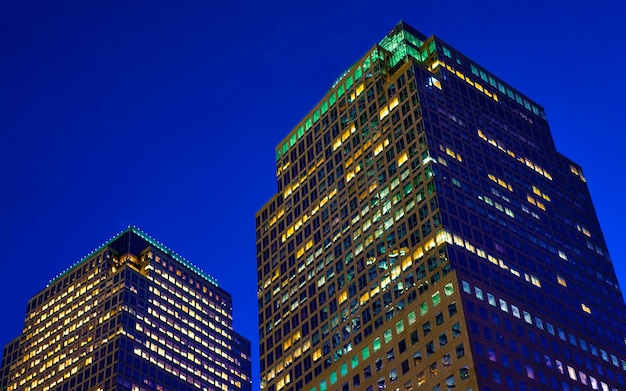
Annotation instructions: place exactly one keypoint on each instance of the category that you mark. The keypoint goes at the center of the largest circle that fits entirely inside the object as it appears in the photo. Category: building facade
(132, 315)
(426, 234)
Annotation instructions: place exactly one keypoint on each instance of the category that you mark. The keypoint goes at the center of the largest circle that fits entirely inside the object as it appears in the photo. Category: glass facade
(427, 234)
(132, 315)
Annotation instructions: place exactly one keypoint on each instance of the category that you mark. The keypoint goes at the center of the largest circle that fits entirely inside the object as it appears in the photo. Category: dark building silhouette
(426, 234)
(132, 315)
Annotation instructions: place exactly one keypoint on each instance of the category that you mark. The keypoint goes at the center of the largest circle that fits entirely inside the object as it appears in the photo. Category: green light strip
(174, 255)
(341, 86)
(148, 239)
(83, 259)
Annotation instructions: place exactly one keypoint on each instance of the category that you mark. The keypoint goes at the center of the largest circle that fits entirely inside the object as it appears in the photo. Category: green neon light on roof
(432, 47)
(86, 257)
(324, 107)
(160, 246)
(374, 55)
(411, 51)
(398, 55)
(333, 99)
(411, 38)
(400, 45)
(174, 255)
(340, 90)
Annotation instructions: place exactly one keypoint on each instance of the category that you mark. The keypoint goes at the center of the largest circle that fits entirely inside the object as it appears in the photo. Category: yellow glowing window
(393, 104)
(364, 298)
(585, 308)
(345, 135)
(337, 144)
(343, 297)
(402, 159)
(383, 113)
(561, 280)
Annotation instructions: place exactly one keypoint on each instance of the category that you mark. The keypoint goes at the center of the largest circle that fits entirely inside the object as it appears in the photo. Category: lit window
(355, 361)
(479, 293)
(436, 297)
(376, 344)
(387, 336)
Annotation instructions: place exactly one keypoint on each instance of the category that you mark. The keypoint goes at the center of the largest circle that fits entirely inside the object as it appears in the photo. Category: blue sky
(165, 115)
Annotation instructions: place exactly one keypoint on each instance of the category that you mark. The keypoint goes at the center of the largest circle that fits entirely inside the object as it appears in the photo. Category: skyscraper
(131, 315)
(426, 234)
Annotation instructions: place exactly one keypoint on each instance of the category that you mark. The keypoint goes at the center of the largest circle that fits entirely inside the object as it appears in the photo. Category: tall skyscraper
(426, 234)
(131, 315)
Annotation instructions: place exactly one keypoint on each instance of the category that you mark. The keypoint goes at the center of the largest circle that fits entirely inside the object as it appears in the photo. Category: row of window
(513, 310)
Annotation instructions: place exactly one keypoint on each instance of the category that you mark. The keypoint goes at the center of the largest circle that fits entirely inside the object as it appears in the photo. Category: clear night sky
(165, 115)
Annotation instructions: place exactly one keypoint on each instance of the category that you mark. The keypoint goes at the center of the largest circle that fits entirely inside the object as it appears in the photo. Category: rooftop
(133, 240)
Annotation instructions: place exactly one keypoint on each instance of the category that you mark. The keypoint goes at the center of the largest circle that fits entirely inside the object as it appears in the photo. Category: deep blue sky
(165, 115)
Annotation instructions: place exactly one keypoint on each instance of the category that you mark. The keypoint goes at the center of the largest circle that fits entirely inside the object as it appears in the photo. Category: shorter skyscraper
(131, 315)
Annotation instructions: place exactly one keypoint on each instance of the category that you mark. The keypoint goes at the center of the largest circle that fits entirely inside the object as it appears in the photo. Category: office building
(131, 315)
(426, 234)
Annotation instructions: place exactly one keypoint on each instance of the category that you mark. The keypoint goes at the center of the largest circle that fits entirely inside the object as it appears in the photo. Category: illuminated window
(376, 344)
(355, 361)
(365, 353)
(436, 297)
(585, 308)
